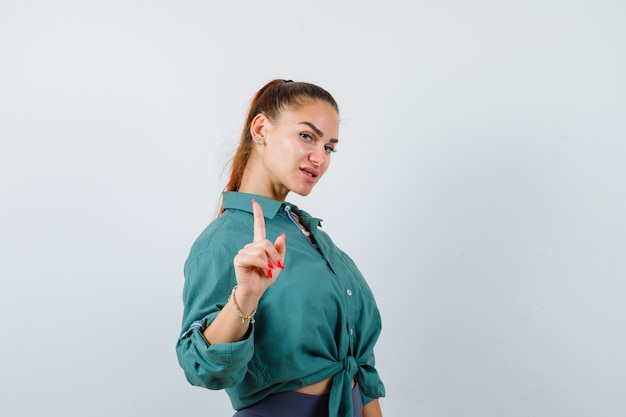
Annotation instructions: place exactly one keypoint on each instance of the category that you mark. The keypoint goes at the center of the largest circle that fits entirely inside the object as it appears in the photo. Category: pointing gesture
(259, 222)
(258, 264)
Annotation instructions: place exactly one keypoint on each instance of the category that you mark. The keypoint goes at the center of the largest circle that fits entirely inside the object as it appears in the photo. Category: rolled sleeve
(213, 366)
(209, 276)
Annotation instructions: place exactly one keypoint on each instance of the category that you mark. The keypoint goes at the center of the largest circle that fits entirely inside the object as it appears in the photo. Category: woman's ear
(258, 127)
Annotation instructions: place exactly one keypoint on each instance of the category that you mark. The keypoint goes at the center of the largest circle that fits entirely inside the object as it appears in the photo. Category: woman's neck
(256, 182)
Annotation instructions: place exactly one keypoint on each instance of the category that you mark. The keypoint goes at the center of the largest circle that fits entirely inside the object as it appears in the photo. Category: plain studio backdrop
(479, 185)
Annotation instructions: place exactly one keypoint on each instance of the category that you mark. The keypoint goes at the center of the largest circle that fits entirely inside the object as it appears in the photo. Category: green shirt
(318, 320)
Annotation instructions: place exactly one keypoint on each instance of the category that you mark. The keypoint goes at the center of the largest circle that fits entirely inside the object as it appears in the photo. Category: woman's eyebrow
(318, 132)
(315, 129)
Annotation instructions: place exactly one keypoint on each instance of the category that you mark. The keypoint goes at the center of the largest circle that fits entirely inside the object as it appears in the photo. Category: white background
(479, 185)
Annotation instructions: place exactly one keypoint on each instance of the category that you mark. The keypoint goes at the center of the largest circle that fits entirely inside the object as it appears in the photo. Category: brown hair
(274, 97)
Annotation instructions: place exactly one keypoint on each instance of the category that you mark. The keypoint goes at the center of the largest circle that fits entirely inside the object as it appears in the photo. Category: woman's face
(297, 148)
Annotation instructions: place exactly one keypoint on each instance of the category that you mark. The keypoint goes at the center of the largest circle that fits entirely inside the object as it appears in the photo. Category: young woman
(274, 312)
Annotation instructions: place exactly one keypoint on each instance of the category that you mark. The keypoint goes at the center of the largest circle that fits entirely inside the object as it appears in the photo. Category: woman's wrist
(246, 314)
(248, 297)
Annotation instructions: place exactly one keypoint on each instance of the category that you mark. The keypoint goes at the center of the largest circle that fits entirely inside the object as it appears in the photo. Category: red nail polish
(271, 266)
(280, 264)
(269, 273)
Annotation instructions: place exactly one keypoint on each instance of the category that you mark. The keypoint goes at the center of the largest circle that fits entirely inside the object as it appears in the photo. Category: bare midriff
(319, 388)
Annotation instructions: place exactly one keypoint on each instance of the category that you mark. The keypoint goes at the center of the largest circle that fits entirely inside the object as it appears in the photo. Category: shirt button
(349, 292)
(351, 331)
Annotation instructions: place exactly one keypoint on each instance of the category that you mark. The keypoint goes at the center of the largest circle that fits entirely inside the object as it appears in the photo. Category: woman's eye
(306, 137)
(329, 149)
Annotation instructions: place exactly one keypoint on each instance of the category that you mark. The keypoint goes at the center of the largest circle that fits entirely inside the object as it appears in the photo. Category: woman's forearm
(228, 327)
(372, 409)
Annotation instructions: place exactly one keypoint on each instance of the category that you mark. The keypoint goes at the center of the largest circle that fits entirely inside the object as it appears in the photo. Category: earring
(258, 139)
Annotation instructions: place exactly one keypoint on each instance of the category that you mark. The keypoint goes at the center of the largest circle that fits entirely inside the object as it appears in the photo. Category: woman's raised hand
(258, 264)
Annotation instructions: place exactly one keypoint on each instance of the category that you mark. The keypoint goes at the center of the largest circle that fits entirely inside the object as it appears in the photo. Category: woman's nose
(317, 156)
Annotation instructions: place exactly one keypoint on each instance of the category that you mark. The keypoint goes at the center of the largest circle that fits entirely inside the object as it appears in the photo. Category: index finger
(259, 221)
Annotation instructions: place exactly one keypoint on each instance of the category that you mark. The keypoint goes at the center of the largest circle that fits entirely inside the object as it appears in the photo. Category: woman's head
(274, 106)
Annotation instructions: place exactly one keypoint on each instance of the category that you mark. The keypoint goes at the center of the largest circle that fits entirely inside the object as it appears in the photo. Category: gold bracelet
(244, 318)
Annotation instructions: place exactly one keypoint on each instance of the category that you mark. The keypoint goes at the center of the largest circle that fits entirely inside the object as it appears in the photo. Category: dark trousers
(296, 404)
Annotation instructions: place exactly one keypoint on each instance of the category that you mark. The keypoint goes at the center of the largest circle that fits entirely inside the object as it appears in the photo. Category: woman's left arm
(372, 409)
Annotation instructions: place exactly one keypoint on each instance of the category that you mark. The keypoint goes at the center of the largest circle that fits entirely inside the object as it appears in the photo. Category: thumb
(280, 244)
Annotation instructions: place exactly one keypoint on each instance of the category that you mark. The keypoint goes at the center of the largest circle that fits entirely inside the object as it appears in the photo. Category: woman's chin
(303, 191)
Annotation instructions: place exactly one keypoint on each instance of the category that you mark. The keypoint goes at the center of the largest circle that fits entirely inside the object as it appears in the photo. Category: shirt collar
(243, 201)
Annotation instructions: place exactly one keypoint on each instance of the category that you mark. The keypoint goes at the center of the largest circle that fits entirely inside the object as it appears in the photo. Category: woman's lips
(310, 174)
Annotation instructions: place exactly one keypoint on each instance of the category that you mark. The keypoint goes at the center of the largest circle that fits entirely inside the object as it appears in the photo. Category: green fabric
(319, 319)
